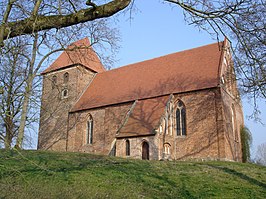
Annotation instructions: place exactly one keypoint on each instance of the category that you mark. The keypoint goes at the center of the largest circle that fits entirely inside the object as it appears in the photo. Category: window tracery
(89, 138)
(167, 147)
(180, 119)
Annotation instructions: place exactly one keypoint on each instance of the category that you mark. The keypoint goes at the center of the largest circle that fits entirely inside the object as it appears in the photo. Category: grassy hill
(38, 174)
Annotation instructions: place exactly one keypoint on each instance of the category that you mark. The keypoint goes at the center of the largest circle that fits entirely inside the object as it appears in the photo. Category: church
(180, 106)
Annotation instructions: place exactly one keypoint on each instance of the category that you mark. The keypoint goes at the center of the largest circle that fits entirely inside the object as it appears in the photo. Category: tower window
(66, 77)
(54, 81)
(65, 93)
(180, 119)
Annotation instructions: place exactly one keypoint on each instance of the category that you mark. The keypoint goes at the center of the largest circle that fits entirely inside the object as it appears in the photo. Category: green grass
(39, 174)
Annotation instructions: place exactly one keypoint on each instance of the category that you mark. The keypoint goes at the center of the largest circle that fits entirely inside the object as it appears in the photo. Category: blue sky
(158, 29)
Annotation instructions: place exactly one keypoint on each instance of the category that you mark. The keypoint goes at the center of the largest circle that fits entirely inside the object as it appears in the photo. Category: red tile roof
(145, 117)
(188, 70)
(84, 56)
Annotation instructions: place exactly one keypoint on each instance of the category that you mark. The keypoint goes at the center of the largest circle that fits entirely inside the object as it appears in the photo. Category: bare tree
(261, 154)
(13, 83)
(27, 92)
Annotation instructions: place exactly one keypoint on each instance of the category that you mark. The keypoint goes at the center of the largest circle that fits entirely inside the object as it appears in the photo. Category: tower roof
(79, 52)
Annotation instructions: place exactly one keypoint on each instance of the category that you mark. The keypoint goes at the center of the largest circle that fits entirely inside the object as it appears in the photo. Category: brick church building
(179, 106)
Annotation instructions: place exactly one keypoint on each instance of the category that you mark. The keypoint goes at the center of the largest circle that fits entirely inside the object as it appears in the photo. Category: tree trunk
(27, 95)
(9, 132)
(24, 113)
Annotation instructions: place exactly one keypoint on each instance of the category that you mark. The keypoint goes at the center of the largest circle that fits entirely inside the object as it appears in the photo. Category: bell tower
(63, 83)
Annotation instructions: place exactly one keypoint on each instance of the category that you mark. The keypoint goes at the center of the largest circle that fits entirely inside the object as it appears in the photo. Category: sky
(156, 29)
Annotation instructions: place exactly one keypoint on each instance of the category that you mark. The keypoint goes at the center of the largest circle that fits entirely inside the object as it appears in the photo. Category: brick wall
(233, 121)
(207, 135)
(231, 113)
(200, 142)
(55, 107)
(201, 139)
(136, 147)
(106, 122)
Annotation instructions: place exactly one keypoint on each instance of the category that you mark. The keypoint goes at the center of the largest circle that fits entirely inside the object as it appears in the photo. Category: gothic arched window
(181, 128)
(127, 148)
(89, 130)
(66, 77)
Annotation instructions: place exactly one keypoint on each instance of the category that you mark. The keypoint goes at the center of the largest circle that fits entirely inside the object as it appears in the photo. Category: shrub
(246, 140)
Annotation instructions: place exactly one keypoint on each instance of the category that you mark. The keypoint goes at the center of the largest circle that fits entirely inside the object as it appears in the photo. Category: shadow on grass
(149, 178)
(45, 164)
(240, 175)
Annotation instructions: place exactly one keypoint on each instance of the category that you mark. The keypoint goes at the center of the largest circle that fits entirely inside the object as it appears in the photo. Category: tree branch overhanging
(33, 24)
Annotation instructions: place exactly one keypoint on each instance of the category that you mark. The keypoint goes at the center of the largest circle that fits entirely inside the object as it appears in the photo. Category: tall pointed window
(90, 130)
(127, 148)
(181, 129)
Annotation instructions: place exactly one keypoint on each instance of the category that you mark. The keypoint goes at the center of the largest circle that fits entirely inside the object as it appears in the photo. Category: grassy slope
(36, 174)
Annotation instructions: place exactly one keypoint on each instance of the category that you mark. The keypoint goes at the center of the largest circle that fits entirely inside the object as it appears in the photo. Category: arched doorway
(145, 151)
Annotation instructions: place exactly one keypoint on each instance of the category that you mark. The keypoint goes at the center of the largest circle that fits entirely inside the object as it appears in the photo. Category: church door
(145, 151)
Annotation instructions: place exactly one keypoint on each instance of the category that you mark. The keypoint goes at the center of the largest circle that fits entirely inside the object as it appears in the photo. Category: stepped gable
(84, 56)
(183, 71)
